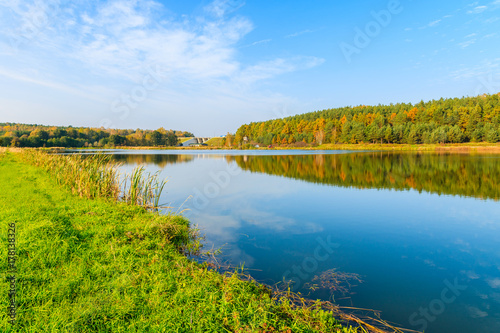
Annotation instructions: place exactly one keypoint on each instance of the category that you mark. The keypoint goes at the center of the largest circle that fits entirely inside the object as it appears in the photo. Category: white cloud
(122, 36)
(268, 69)
(477, 10)
(48, 84)
(296, 34)
(87, 19)
(467, 43)
(480, 70)
(428, 25)
(264, 41)
(492, 20)
(119, 38)
(476, 313)
(433, 23)
(494, 283)
(490, 35)
(471, 275)
(220, 8)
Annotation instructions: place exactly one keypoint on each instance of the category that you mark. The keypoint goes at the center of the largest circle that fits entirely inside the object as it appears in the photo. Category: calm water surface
(420, 230)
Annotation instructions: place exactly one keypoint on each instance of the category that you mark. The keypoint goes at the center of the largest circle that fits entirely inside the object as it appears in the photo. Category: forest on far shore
(454, 120)
(25, 135)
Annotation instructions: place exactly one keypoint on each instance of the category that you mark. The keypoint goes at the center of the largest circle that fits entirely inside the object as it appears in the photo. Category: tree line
(454, 120)
(26, 135)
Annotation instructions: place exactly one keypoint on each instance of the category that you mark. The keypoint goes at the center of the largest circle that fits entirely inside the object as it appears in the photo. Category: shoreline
(452, 148)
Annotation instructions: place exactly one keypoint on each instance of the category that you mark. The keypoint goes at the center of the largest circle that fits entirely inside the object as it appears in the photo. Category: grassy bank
(458, 147)
(215, 142)
(104, 266)
(482, 147)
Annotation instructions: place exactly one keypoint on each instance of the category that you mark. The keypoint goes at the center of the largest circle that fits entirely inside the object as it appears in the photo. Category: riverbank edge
(452, 148)
(218, 302)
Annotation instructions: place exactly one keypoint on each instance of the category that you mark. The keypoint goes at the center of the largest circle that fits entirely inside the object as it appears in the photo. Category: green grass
(183, 139)
(215, 142)
(143, 189)
(420, 147)
(103, 266)
(451, 147)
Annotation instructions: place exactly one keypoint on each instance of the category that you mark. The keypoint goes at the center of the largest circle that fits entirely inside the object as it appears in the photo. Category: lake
(414, 235)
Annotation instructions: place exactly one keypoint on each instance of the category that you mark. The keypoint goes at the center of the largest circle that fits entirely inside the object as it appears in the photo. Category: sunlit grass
(143, 189)
(89, 176)
(215, 142)
(97, 176)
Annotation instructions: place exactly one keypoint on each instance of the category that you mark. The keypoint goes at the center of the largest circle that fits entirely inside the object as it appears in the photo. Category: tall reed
(143, 189)
(97, 176)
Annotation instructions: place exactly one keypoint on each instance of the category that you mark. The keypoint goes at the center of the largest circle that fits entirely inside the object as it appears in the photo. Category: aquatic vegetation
(89, 176)
(335, 281)
(96, 176)
(143, 189)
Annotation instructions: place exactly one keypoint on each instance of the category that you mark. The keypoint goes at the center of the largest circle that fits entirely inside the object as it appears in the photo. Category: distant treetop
(453, 120)
(33, 135)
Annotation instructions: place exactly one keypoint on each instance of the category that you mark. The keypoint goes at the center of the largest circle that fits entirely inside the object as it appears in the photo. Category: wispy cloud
(467, 43)
(264, 41)
(480, 70)
(434, 23)
(492, 20)
(494, 283)
(222, 8)
(490, 35)
(49, 84)
(429, 25)
(300, 33)
(120, 38)
(268, 69)
(477, 10)
(475, 312)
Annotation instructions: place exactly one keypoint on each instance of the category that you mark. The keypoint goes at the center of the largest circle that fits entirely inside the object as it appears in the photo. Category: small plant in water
(143, 189)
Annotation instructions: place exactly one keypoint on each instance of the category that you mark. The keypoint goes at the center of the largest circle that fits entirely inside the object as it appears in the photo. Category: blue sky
(210, 66)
